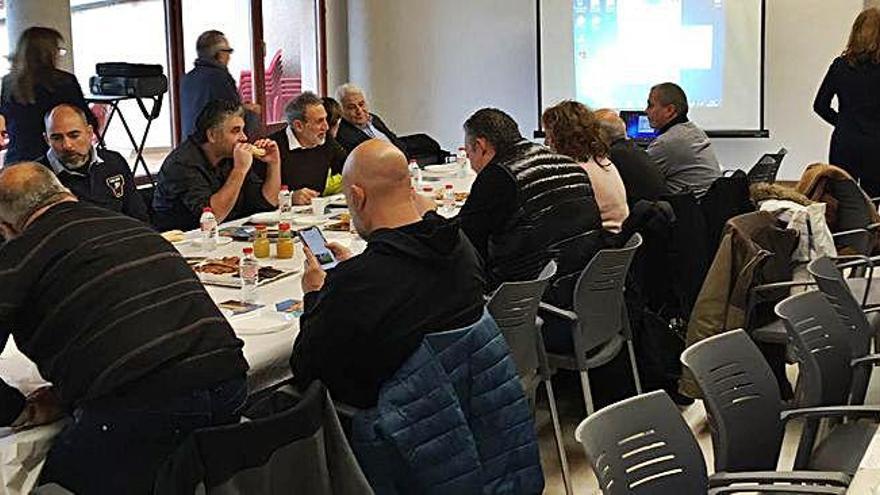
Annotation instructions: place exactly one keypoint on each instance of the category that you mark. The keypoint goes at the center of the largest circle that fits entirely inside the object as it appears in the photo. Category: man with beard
(212, 168)
(308, 154)
(101, 177)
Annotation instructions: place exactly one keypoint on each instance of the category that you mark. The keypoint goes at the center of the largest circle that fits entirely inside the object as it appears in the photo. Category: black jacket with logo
(107, 183)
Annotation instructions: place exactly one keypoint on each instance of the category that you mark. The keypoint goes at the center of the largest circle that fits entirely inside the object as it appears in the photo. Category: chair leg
(635, 369)
(557, 432)
(588, 395)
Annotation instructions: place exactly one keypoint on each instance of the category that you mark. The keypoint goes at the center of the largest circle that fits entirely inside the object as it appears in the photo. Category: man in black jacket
(418, 275)
(120, 325)
(358, 124)
(213, 168)
(98, 176)
(524, 199)
(640, 174)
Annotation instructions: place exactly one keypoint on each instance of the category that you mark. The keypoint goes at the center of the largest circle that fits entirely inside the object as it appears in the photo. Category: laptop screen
(637, 125)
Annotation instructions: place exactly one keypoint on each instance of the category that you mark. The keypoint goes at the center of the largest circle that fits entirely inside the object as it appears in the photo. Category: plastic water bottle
(415, 174)
(208, 226)
(248, 271)
(448, 199)
(285, 205)
(462, 161)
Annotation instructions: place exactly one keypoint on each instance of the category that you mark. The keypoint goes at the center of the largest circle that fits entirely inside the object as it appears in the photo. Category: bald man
(417, 275)
(100, 177)
(118, 323)
(639, 173)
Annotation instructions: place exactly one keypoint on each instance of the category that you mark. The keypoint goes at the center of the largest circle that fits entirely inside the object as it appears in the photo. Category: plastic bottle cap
(461, 148)
(260, 227)
(448, 186)
(427, 189)
(248, 250)
(207, 209)
(283, 226)
(284, 188)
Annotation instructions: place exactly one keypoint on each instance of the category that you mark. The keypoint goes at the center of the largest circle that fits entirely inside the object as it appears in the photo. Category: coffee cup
(319, 205)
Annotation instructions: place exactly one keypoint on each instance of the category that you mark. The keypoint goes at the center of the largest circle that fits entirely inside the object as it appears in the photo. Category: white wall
(803, 37)
(428, 64)
(21, 15)
(337, 44)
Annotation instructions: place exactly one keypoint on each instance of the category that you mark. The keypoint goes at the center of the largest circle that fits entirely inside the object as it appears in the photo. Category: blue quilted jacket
(452, 420)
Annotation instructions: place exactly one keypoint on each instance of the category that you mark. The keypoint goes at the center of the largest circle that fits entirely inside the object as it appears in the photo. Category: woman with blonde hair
(572, 129)
(33, 87)
(854, 78)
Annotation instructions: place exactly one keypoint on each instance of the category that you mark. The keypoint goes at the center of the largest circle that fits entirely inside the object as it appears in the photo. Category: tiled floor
(571, 411)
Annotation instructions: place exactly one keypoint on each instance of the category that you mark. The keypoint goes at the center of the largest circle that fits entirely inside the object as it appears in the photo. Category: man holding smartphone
(418, 275)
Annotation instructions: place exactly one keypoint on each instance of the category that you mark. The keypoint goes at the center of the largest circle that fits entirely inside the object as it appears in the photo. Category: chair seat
(595, 357)
(772, 333)
(844, 447)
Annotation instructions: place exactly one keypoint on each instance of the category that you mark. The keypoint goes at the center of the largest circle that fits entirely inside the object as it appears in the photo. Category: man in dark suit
(639, 173)
(358, 124)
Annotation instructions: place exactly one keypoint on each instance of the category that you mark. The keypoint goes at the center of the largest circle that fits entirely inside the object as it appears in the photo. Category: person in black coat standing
(854, 78)
(32, 88)
(358, 124)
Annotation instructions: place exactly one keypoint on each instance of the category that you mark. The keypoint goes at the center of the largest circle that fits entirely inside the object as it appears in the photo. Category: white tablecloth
(22, 453)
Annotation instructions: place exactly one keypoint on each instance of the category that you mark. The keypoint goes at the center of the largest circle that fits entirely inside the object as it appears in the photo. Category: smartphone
(314, 240)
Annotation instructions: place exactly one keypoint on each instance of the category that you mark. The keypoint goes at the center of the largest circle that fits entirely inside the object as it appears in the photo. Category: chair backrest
(256, 456)
(598, 295)
(766, 168)
(742, 400)
(642, 445)
(836, 291)
(821, 346)
(514, 306)
(831, 283)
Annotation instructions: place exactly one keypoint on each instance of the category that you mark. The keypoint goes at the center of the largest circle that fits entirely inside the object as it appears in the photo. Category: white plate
(267, 218)
(310, 220)
(264, 322)
(197, 241)
(440, 170)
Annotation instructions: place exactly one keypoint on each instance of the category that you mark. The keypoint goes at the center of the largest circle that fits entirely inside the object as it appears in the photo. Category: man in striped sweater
(118, 323)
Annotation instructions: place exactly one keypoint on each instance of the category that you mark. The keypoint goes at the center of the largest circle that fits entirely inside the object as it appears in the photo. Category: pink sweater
(610, 193)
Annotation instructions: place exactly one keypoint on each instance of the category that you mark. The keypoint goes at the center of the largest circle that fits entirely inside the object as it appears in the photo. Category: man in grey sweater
(682, 151)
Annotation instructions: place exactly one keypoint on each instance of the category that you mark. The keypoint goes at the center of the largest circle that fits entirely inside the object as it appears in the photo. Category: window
(124, 31)
(291, 53)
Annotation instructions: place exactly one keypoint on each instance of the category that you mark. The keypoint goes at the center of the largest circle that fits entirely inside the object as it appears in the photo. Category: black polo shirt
(106, 182)
(186, 183)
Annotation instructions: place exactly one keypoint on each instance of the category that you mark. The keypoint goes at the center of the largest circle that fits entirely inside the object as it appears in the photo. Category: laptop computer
(637, 126)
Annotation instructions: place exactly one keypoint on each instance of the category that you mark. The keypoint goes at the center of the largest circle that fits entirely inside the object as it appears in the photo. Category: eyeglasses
(226, 50)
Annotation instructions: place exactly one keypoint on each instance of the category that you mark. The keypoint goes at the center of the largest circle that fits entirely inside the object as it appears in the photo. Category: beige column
(22, 14)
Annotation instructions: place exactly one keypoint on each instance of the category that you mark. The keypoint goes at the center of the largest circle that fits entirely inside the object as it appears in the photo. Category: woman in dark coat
(33, 87)
(854, 78)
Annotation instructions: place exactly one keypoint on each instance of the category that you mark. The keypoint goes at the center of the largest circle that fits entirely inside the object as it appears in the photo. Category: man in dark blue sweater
(101, 177)
(210, 80)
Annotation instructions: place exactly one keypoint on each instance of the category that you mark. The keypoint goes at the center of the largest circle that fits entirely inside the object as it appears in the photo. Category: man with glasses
(210, 80)
(308, 154)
